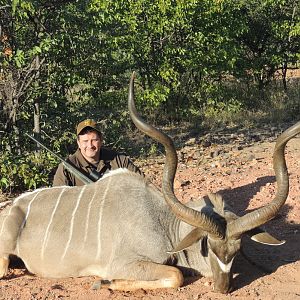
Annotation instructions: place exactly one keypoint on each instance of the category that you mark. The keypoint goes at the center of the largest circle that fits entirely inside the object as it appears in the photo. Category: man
(91, 158)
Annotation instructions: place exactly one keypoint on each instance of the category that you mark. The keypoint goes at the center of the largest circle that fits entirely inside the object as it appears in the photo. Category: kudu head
(218, 229)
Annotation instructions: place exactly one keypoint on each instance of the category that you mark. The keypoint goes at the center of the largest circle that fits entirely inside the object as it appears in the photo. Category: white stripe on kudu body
(26, 217)
(28, 211)
(86, 230)
(47, 233)
(100, 217)
(90, 205)
(26, 194)
(72, 222)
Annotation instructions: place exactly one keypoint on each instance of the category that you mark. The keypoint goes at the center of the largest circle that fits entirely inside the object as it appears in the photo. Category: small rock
(256, 138)
(206, 144)
(251, 157)
(228, 171)
(177, 184)
(191, 141)
(226, 155)
(185, 183)
(214, 153)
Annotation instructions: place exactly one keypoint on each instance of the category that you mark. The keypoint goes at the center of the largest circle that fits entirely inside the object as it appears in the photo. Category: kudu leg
(156, 275)
(11, 220)
(4, 262)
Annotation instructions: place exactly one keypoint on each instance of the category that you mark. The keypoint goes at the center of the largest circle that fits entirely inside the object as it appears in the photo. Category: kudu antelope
(124, 230)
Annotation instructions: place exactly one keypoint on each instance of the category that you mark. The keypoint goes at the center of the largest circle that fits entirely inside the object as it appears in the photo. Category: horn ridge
(206, 221)
(263, 214)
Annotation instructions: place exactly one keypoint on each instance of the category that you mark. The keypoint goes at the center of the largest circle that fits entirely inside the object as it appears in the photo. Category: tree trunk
(36, 123)
(284, 71)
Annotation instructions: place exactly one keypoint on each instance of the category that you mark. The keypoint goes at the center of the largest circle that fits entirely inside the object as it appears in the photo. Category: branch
(4, 6)
(30, 75)
(56, 3)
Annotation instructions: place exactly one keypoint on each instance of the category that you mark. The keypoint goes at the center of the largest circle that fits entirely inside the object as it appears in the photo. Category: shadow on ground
(257, 259)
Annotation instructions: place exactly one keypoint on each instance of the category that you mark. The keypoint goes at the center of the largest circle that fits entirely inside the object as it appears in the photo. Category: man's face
(89, 145)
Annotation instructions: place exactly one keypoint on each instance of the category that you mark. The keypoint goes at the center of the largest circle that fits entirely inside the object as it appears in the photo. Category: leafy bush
(219, 111)
(25, 172)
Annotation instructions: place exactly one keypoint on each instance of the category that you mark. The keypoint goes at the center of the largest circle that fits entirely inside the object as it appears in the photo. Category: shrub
(25, 172)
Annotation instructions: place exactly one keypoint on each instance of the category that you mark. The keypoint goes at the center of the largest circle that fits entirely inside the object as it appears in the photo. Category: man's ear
(78, 142)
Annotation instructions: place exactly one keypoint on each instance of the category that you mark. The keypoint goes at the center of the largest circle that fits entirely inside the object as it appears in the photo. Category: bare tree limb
(29, 76)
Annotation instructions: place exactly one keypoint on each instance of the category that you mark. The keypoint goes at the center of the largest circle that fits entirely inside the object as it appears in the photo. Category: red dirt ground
(242, 171)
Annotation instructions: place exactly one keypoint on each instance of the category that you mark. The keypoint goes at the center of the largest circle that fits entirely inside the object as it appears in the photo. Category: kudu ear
(217, 201)
(193, 237)
(260, 236)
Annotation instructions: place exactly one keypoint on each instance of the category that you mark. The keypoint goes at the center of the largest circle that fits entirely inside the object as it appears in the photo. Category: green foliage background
(206, 62)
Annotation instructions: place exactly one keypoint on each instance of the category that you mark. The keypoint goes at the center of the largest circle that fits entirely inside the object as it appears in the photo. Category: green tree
(270, 40)
(63, 61)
